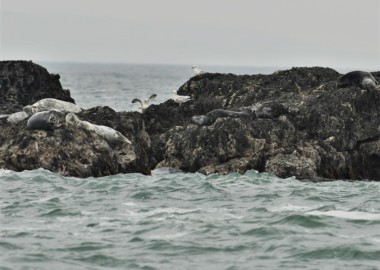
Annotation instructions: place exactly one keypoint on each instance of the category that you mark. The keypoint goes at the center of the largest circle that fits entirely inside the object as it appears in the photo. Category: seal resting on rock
(17, 117)
(52, 103)
(357, 78)
(108, 133)
(46, 120)
(210, 118)
(202, 120)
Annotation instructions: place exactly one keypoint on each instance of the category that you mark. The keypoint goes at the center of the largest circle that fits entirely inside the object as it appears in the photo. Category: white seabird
(180, 99)
(197, 70)
(145, 103)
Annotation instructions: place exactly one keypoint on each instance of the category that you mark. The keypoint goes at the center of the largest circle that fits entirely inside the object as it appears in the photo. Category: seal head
(46, 120)
(357, 78)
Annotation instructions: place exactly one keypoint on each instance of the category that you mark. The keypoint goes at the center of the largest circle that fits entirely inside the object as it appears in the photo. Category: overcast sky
(335, 33)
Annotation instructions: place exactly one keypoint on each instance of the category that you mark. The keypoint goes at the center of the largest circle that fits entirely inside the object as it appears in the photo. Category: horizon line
(280, 67)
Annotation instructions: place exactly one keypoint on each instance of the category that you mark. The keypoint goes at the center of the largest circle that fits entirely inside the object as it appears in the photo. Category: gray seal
(17, 117)
(46, 120)
(107, 133)
(357, 78)
(210, 117)
(269, 109)
(202, 120)
(52, 103)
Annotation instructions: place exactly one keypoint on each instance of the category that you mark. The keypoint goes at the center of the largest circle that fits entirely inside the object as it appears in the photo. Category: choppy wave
(175, 220)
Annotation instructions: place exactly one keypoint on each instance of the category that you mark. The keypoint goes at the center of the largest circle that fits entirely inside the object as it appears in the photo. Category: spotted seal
(52, 103)
(46, 120)
(108, 133)
(210, 117)
(357, 78)
(17, 117)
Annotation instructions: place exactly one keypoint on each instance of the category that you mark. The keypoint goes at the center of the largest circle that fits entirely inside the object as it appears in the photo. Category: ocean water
(116, 85)
(176, 220)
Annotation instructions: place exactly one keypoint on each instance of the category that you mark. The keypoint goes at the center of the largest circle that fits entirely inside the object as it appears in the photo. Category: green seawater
(175, 220)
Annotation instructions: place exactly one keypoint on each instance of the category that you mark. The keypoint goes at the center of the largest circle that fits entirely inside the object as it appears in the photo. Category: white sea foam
(354, 215)
(173, 210)
(4, 172)
(43, 199)
(159, 211)
(292, 208)
(165, 235)
(129, 204)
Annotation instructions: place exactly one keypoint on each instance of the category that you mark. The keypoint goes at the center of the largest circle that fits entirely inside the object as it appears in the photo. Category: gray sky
(335, 33)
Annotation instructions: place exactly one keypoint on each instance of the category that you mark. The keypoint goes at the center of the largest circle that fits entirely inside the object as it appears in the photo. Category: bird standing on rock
(180, 99)
(145, 103)
(197, 70)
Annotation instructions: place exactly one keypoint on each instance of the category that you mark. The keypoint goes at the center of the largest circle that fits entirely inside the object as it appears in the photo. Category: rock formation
(66, 150)
(300, 125)
(23, 83)
(293, 122)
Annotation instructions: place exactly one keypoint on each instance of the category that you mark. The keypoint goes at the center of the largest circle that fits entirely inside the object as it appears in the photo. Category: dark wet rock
(300, 125)
(24, 82)
(67, 150)
(301, 122)
(61, 148)
(73, 151)
(131, 125)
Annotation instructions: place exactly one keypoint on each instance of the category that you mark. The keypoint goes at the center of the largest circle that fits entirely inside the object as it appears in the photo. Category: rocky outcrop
(295, 123)
(68, 150)
(23, 83)
(72, 151)
(131, 125)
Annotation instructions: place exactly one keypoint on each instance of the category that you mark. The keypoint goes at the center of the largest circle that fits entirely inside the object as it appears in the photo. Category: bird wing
(183, 98)
(152, 96)
(136, 100)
